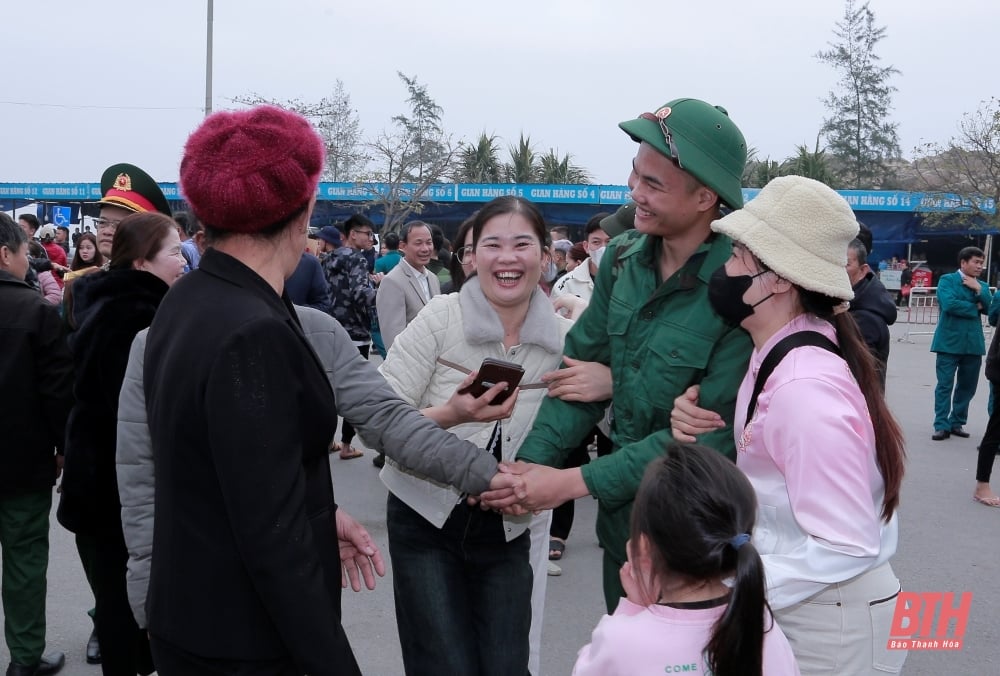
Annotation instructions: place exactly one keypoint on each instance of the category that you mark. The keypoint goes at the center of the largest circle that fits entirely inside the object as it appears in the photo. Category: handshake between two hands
(521, 487)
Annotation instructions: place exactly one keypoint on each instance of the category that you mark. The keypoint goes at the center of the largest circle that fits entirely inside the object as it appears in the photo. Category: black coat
(36, 388)
(246, 563)
(874, 310)
(110, 308)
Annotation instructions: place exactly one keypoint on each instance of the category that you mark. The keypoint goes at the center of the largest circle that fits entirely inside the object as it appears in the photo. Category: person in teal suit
(959, 342)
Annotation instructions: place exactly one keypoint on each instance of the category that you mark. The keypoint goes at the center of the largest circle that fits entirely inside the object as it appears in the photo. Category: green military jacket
(659, 339)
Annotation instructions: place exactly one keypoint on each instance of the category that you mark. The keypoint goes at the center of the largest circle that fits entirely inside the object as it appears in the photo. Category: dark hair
(139, 237)
(594, 223)
(561, 228)
(577, 253)
(454, 265)
(970, 252)
(404, 232)
(509, 204)
(437, 236)
(35, 250)
(188, 223)
(78, 262)
(694, 507)
(214, 235)
(31, 220)
(11, 234)
(391, 241)
(859, 249)
(357, 221)
(865, 235)
(890, 451)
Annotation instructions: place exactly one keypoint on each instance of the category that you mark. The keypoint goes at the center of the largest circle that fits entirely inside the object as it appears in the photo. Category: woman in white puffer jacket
(464, 583)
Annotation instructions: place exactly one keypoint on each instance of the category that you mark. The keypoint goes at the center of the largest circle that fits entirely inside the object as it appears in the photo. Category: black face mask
(725, 294)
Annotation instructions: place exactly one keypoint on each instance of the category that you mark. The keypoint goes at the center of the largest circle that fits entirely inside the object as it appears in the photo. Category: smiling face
(168, 263)
(418, 247)
(670, 203)
(508, 259)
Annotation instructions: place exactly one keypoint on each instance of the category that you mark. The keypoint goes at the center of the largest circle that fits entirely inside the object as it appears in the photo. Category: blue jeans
(463, 594)
(957, 378)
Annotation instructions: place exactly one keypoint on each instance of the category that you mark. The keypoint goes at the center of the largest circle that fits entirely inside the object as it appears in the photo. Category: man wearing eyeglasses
(125, 189)
(352, 300)
(650, 321)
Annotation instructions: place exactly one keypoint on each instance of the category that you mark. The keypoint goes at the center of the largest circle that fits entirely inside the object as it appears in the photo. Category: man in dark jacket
(36, 394)
(872, 308)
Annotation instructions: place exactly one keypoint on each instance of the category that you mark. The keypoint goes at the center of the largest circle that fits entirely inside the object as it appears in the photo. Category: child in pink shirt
(694, 582)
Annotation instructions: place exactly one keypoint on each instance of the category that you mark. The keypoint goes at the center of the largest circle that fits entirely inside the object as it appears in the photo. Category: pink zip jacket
(809, 452)
(658, 640)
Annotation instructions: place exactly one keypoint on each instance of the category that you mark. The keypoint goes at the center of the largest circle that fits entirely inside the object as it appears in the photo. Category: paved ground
(948, 543)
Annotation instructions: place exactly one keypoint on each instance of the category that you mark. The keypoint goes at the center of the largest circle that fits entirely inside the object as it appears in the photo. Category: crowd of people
(691, 363)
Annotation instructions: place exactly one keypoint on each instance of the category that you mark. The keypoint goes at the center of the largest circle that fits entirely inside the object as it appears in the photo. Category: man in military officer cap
(125, 189)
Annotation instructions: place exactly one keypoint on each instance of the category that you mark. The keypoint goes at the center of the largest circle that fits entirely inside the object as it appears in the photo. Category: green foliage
(555, 169)
(812, 164)
(860, 137)
(410, 157)
(480, 163)
(426, 148)
(523, 164)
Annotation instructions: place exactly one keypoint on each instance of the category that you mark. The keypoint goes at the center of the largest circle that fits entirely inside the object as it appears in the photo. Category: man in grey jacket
(384, 420)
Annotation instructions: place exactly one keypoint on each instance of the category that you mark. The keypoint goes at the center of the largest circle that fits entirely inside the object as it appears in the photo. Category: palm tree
(480, 163)
(523, 165)
(812, 164)
(555, 169)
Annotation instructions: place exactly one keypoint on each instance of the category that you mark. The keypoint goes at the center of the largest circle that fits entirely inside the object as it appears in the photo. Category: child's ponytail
(737, 644)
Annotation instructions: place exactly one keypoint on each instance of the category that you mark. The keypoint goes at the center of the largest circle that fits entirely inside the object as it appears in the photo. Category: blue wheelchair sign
(62, 215)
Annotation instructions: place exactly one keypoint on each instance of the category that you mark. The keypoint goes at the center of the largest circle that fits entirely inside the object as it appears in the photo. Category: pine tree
(860, 138)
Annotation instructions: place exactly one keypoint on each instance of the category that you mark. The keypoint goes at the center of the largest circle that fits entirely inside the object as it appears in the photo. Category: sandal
(556, 549)
(989, 502)
(348, 452)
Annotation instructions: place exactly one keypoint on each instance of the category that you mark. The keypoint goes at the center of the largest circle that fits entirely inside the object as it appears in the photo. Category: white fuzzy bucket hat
(800, 229)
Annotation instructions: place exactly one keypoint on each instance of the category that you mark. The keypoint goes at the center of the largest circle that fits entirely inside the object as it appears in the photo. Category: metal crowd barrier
(922, 312)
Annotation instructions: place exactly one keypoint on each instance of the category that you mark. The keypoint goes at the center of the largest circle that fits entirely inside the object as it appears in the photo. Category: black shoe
(93, 648)
(50, 664)
(960, 432)
(379, 460)
(940, 435)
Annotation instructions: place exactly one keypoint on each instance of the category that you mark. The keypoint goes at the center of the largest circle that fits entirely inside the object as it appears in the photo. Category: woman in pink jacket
(813, 432)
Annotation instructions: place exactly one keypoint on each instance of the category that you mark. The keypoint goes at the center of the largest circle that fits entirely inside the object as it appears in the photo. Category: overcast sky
(104, 82)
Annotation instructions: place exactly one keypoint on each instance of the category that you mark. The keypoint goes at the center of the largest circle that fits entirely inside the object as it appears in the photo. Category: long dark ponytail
(697, 511)
(890, 449)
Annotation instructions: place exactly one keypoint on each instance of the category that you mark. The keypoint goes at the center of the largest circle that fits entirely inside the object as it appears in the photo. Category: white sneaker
(554, 570)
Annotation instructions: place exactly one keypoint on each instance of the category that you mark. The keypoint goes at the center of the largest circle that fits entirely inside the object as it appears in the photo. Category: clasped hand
(522, 487)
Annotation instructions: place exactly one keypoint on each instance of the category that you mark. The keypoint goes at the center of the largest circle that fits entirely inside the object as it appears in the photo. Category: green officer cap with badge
(620, 221)
(702, 140)
(129, 187)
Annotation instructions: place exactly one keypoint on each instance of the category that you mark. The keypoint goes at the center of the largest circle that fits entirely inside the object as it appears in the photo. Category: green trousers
(613, 590)
(24, 542)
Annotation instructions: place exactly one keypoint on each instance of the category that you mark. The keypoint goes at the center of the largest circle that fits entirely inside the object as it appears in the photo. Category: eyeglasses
(464, 254)
(366, 233)
(107, 223)
(667, 136)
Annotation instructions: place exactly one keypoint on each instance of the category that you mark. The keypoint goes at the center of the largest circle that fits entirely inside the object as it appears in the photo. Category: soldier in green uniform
(650, 321)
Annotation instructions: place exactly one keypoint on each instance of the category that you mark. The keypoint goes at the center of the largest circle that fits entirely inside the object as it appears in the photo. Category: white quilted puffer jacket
(463, 328)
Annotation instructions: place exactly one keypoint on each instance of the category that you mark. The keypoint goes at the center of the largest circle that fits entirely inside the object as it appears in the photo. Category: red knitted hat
(245, 170)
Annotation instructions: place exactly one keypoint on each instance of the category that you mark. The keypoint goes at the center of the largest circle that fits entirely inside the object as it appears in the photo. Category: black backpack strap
(778, 352)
